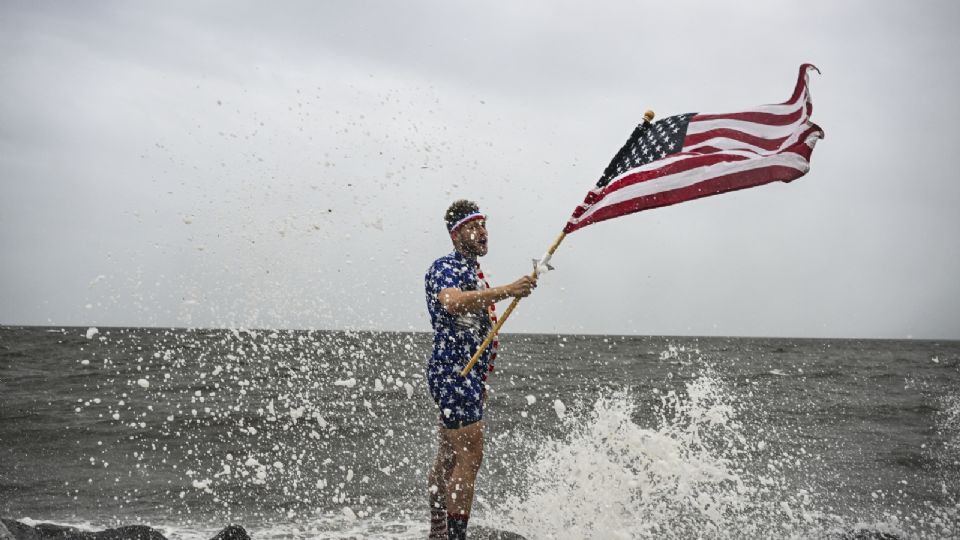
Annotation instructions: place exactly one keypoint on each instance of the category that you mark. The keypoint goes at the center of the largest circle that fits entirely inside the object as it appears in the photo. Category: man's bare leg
(467, 446)
(437, 481)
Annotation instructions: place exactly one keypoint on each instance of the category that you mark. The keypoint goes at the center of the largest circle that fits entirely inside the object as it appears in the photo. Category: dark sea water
(298, 434)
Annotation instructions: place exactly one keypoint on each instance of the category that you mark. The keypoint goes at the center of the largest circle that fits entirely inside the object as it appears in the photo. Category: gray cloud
(244, 164)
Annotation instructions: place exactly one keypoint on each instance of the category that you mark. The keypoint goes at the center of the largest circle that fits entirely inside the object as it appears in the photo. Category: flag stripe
(691, 156)
(749, 128)
(732, 182)
(650, 193)
(771, 111)
(625, 181)
(685, 170)
(688, 164)
(770, 118)
(722, 137)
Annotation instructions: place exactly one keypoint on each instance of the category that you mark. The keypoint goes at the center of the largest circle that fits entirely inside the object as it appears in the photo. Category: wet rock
(47, 531)
(5, 533)
(866, 534)
(486, 533)
(232, 532)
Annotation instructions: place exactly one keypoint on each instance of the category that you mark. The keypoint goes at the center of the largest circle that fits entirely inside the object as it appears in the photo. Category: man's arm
(458, 302)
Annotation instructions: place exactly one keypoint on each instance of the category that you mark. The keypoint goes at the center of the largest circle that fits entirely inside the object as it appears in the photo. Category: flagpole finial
(648, 117)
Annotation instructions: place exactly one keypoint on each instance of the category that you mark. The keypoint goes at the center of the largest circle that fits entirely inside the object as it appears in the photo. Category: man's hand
(522, 287)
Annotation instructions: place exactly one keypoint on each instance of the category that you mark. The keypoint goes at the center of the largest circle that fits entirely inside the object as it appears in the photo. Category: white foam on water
(949, 424)
(609, 477)
(559, 408)
(948, 457)
(349, 383)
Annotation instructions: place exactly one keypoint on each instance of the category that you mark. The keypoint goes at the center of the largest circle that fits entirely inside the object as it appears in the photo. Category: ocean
(329, 434)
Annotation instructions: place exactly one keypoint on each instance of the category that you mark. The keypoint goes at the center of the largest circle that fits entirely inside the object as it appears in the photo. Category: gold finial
(648, 117)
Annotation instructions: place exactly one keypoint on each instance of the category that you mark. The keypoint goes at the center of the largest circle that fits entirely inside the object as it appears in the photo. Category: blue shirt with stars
(456, 337)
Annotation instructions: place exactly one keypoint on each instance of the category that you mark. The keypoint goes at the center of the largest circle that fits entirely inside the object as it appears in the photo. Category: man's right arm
(458, 302)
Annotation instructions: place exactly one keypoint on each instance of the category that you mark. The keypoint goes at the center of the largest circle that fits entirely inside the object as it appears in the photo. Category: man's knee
(477, 458)
(466, 443)
(471, 454)
(471, 446)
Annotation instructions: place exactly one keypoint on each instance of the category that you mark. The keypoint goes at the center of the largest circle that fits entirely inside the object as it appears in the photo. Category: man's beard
(475, 248)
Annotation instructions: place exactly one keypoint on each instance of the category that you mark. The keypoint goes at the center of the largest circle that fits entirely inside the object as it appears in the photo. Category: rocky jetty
(866, 534)
(15, 530)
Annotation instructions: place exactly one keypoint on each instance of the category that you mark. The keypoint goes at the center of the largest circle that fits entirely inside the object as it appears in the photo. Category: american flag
(695, 155)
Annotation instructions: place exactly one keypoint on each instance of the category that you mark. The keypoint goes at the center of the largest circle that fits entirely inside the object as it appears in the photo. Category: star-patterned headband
(466, 219)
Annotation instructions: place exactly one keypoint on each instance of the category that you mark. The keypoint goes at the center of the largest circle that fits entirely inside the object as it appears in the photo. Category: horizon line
(373, 331)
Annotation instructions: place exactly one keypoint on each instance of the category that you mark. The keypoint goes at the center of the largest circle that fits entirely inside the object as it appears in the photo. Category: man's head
(467, 227)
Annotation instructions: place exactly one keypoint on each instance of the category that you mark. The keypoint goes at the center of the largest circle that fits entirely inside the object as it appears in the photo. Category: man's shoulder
(449, 261)
(449, 265)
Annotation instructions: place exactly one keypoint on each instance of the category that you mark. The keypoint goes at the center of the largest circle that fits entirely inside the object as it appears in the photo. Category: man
(461, 305)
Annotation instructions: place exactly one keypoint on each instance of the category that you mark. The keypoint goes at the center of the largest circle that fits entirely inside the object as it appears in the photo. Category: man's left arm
(459, 302)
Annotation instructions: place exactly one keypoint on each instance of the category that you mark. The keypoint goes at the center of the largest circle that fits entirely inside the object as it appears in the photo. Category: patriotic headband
(466, 219)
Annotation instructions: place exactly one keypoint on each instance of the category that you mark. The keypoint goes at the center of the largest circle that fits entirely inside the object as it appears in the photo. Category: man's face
(471, 238)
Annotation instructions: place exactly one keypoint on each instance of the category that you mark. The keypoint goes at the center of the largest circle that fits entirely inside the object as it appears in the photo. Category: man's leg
(467, 446)
(436, 484)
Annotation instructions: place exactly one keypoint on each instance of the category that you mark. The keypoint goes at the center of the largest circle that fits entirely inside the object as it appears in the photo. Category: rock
(47, 531)
(5, 533)
(486, 533)
(232, 532)
(865, 534)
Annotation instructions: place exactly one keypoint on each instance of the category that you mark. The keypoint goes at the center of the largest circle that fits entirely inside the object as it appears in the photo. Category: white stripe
(777, 108)
(729, 144)
(756, 129)
(694, 176)
(732, 143)
(467, 218)
(759, 129)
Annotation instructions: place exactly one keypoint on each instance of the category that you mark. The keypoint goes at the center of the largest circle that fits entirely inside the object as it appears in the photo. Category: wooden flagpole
(647, 118)
(506, 314)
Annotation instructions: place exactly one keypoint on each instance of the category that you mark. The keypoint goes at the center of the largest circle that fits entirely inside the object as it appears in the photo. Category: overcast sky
(288, 164)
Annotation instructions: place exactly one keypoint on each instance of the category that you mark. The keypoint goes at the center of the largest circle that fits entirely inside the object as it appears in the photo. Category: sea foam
(610, 477)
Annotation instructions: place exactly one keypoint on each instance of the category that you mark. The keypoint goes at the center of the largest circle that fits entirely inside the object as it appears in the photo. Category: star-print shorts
(459, 399)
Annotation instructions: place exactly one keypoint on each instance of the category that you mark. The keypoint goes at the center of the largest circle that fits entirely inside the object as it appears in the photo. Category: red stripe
(492, 312)
(801, 84)
(693, 161)
(466, 220)
(713, 186)
(770, 118)
(767, 144)
(757, 117)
